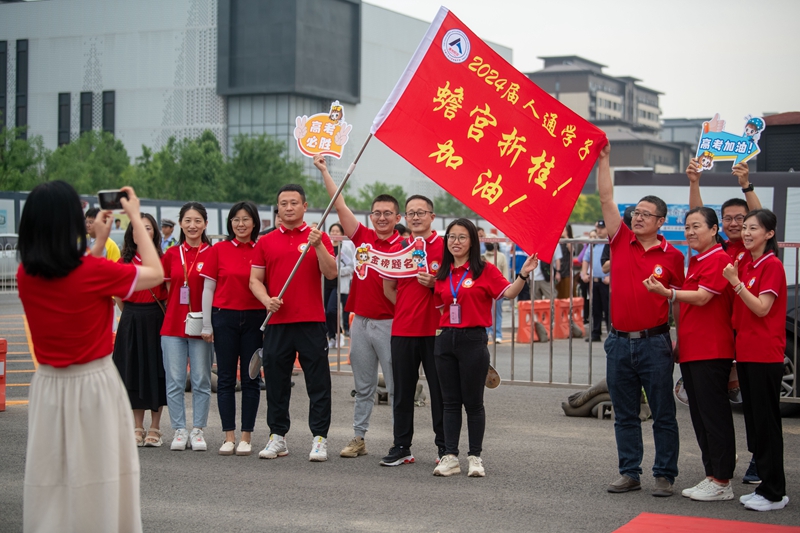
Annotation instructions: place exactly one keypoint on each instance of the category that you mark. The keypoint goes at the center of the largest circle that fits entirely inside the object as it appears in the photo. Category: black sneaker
(751, 476)
(398, 455)
(441, 453)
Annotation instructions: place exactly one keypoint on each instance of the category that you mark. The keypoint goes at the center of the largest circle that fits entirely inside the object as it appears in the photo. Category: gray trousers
(370, 344)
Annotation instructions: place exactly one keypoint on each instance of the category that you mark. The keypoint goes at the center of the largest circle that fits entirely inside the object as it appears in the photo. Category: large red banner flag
(484, 132)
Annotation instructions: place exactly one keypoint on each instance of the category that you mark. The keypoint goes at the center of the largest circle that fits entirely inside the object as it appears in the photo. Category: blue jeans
(498, 321)
(237, 335)
(177, 352)
(630, 365)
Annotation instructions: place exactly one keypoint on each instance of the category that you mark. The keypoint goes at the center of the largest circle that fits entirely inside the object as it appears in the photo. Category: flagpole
(321, 224)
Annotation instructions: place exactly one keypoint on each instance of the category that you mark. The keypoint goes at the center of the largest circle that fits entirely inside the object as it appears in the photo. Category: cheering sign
(488, 135)
(405, 263)
(718, 145)
(324, 134)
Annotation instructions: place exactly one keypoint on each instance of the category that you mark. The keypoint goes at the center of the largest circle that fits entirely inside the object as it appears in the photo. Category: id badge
(184, 295)
(455, 314)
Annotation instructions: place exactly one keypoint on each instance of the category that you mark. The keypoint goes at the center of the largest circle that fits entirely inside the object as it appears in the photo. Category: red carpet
(647, 522)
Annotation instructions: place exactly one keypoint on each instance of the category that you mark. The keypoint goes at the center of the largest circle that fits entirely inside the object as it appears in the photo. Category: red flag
(483, 131)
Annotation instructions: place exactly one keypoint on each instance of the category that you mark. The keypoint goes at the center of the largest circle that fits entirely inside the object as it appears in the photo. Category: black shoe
(441, 453)
(398, 455)
(751, 476)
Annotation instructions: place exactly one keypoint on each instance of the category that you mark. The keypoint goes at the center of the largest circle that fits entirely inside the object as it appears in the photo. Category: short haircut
(252, 210)
(399, 228)
(661, 206)
(386, 198)
(291, 187)
(420, 197)
(52, 231)
(734, 202)
(92, 212)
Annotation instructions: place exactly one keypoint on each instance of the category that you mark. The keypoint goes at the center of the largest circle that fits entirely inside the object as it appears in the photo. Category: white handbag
(194, 324)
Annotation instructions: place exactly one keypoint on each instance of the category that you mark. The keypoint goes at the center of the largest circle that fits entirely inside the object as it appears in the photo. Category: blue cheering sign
(718, 145)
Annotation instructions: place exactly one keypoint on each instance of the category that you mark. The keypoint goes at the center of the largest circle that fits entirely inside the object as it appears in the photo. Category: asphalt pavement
(545, 472)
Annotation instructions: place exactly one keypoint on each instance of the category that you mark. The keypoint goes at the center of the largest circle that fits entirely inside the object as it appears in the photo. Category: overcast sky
(745, 60)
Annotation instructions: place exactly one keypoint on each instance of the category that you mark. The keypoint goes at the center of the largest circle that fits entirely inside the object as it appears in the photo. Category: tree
(587, 209)
(362, 200)
(21, 160)
(448, 205)
(95, 161)
(260, 166)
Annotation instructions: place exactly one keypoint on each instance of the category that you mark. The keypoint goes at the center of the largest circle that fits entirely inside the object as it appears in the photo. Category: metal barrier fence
(8, 264)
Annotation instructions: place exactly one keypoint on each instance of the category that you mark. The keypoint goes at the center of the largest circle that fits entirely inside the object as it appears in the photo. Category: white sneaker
(448, 466)
(744, 498)
(319, 450)
(687, 493)
(276, 447)
(197, 441)
(244, 448)
(713, 492)
(179, 440)
(476, 467)
(227, 448)
(331, 343)
(760, 503)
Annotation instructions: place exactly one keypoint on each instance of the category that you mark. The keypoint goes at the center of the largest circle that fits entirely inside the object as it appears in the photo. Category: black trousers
(462, 362)
(706, 384)
(600, 295)
(407, 354)
(281, 343)
(761, 392)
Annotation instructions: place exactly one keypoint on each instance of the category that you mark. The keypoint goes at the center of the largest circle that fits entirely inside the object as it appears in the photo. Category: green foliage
(362, 200)
(21, 161)
(95, 161)
(587, 209)
(448, 205)
(260, 166)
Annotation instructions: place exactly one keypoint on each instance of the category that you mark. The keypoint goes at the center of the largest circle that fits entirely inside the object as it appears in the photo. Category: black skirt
(138, 357)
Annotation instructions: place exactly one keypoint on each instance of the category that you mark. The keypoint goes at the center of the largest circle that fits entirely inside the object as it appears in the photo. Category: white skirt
(82, 465)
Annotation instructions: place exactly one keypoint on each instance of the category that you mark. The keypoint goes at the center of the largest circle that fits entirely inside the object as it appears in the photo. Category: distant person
(499, 260)
(110, 250)
(169, 240)
(345, 252)
(592, 270)
(404, 232)
(117, 224)
(82, 467)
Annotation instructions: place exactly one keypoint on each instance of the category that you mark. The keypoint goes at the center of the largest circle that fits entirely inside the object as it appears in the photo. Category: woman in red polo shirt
(81, 468)
(232, 319)
(705, 338)
(759, 308)
(137, 350)
(466, 286)
(182, 266)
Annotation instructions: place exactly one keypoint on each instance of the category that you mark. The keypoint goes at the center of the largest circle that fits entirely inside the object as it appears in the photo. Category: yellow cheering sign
(323, 134)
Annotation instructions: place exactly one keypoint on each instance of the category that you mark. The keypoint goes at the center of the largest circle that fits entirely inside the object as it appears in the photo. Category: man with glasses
(413, 335)
(370, 333)
(639, 348)
(733, 212)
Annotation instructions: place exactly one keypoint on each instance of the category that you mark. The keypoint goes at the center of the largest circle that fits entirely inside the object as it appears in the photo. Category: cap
(601, 223)
(167, 222)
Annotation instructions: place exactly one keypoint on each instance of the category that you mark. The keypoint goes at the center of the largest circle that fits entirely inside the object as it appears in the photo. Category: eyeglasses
(417, 214)
(737, 218)
(383, 214)
(644, 214)
(237, 221)
(451, 237)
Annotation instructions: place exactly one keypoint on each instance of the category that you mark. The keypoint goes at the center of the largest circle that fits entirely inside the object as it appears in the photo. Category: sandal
(139, 434)
(153, 441)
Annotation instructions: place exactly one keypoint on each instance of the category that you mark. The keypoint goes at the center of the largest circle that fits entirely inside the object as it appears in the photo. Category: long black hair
(476, 262)
(200, 208)
(767, 220)
(129, 245)
(52, 231)
(251, 210)
(710, 217)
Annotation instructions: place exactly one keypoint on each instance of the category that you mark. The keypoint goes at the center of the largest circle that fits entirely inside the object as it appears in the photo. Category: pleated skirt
(82, 465)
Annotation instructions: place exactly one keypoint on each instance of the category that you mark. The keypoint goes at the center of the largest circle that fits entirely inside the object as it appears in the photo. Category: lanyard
(454, 291)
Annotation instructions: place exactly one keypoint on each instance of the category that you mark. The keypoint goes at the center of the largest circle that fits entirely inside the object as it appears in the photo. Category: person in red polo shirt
(370, 333)
(413, 335)
(297, 325)
(639, 348)
(759, 320)
(466, 286)
(706, 352)
(232, 319)
(81, 467)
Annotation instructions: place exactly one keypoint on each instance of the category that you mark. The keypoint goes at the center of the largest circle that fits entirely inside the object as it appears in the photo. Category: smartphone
(110, 199)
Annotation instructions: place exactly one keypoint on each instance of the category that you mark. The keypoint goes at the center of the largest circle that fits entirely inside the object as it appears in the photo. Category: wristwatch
(520, 276)
(749, 188)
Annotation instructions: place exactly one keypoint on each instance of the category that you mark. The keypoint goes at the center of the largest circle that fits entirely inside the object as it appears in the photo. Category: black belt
(652, 332)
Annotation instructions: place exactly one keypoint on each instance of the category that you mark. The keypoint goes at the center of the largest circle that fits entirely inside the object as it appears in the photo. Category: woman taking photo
(466, 286)
(345, 252)
(182, 266)
(232, 319)
(705, 339)
(80, 453)
(137, 350)
(759, 319)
